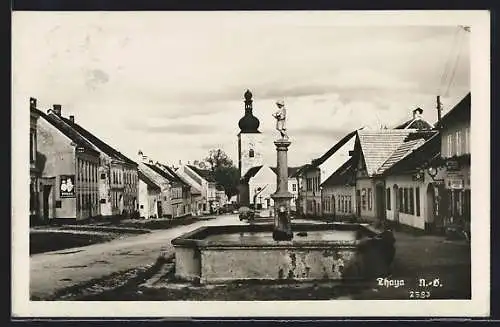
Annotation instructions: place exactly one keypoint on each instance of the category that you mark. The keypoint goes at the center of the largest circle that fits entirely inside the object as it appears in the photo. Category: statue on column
(280, 116)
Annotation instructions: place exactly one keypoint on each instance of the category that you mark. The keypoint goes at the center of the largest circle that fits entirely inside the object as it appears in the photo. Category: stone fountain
(329, 251)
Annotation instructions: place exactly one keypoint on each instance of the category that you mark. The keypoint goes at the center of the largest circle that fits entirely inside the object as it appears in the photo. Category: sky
(172, 84)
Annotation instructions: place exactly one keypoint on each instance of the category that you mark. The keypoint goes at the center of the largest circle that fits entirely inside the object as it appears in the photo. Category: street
(53, 271)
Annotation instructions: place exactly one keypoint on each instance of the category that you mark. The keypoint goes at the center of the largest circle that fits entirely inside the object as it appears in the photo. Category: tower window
(251, 153)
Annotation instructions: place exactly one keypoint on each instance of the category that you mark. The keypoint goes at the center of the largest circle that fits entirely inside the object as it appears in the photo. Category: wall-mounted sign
(67, 186)
(80, 149)
(456, 183)
(418, 177)
(452, 165)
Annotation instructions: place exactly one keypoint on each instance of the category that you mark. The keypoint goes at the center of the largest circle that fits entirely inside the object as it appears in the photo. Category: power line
(459, 53)
(445, 73)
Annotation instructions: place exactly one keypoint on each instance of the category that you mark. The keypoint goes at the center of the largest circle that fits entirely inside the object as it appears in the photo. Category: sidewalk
(53, 271)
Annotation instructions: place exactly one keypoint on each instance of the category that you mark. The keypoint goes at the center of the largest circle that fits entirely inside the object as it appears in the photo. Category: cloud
(185, 129)
(132, 78)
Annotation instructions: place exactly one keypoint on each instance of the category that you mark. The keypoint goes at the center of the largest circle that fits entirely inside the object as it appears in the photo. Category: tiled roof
(162, 173)
(101, 145)
(378, 146)
(157, 178)
(175, 175)
(251, 173)
(426, 152)
(149, 182)
(341, 176)
(193, 190)
(66, 130)
(404, 149)
(203, 173)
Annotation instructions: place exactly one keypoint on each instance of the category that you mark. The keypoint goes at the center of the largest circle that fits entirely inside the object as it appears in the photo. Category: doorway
(358, 203)
(431, 207)
(158, 208)
(380, 201)
(395, 203)
(47, 205)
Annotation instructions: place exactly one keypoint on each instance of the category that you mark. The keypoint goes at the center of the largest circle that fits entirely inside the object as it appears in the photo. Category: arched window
(251, 153)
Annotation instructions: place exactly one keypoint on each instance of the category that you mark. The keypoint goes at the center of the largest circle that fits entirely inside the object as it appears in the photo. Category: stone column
(282, 224)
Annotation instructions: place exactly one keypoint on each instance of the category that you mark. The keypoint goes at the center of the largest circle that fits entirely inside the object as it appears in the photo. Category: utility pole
(439, 109)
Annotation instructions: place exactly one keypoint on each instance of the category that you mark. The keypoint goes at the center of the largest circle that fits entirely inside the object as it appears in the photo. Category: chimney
(72, 118)
(417, 113)
(57, 109)
(32, 103)
(151, 161)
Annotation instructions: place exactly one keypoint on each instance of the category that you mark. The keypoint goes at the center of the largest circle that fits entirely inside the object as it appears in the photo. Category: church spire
(249, 123)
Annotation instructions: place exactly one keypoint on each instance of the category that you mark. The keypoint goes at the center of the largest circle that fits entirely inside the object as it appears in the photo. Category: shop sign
(452, 165)
(456, 183)
(67, 186)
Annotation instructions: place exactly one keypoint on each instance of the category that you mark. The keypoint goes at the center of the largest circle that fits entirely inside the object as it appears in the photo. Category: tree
(218, 158)
(225, 173)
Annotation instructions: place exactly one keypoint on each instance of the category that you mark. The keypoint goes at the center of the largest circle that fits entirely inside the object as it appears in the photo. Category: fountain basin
(218, 254)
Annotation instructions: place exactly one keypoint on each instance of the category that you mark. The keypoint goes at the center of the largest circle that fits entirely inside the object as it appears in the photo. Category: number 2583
(420, 294)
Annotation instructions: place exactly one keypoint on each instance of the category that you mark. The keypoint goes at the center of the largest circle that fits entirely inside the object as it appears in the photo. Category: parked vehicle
(246, 213)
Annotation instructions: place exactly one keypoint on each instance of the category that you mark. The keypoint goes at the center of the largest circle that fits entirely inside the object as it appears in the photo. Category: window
(417, 200)
(467, 140)
(32, 146)
(458, 145)
(370, 199)
(388, 198)
(294, 187)
(411, 203)
(405, 200)
(342, 204)
(449, 142)
(251, 153)
(350, 204)
(103, 176)
(338, 205)
(401, 200)
(363, 198)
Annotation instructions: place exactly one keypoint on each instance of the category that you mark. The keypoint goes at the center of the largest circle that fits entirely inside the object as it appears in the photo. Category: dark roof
(148, 181)
(316, 162)
(417, 123)
(250, 173)
(101, 145)
(204, 173)
(419, 157)
(460, 112)
(291, 170)
(174, 174)
(342, 176)
(66, 130)
(304, 168)
(161, 172)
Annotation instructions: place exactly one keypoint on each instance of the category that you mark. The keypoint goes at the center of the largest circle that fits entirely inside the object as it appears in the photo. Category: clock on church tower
(249, 138)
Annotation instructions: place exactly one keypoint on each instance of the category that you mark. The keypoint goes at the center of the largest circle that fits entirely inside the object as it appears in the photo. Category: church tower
(250, 141)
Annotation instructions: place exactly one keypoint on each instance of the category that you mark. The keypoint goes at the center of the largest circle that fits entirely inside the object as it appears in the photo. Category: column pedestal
(282, 223)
